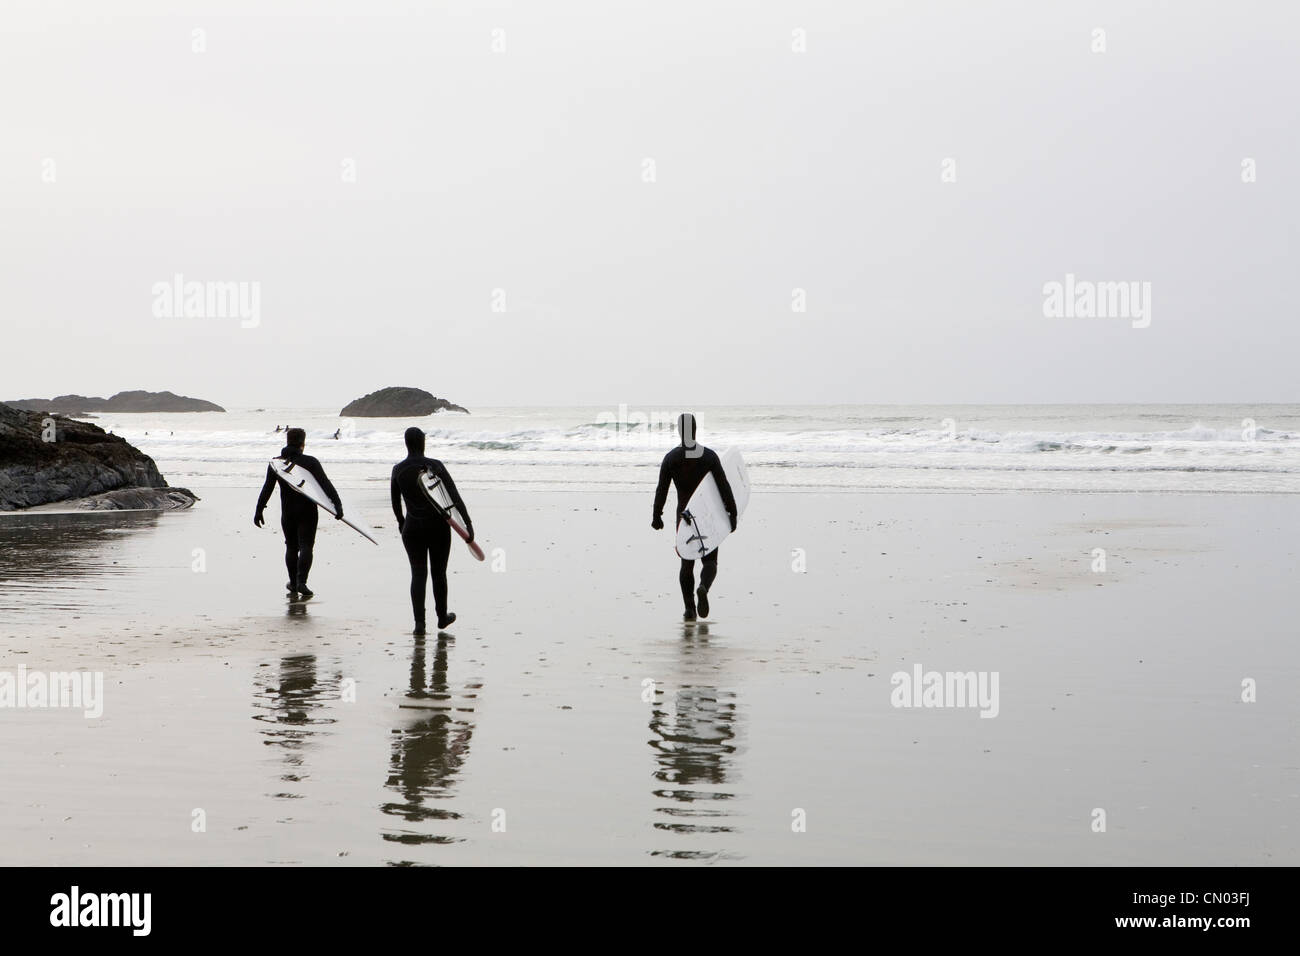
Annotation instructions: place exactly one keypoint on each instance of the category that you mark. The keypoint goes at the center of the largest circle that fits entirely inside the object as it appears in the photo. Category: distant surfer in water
(685, 466)
(298, 514)
(425, 533)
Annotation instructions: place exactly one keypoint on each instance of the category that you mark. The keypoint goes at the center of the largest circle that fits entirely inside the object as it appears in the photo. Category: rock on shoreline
(81, 462)
(397, 402)
(137, 499)
(134, 401)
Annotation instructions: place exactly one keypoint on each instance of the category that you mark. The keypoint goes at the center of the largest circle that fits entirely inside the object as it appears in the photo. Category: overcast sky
(127, 157)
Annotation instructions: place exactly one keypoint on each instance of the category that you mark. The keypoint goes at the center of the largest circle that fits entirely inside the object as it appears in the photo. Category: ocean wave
(854, 446)
(491, 445)
(1111, 447)
(1082, 449)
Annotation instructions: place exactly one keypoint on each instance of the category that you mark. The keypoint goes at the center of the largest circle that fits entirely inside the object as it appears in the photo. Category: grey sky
(522, 170)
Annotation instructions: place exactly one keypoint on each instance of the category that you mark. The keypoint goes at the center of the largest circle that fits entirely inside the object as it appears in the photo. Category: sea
(835, 448)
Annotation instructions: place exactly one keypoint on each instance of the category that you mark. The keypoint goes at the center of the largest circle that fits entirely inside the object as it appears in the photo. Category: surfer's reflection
(293, 705)
(428, 754)
(694, 727)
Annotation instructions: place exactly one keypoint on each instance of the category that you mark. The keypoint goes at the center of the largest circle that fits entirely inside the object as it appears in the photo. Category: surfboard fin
(690, 520)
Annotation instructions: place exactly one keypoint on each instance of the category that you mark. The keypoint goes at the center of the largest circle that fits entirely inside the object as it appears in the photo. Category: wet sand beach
(569, 717)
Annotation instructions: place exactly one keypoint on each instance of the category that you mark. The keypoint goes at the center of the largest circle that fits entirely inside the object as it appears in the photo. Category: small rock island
(397, 402)
(134, 401)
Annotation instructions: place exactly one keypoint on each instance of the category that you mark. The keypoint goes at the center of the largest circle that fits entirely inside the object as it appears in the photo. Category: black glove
(469, 529)
(338, 512)
(258, 520)
(401, 523)
(657, 522)
(732, 516)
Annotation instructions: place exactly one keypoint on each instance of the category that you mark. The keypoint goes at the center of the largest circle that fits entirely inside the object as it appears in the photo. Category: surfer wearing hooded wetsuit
(425, 532)
(297, 512)
(685, 466)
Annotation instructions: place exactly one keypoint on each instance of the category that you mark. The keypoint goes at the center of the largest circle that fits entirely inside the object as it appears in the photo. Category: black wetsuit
(686, 473)
(425, 533)
(298, 514)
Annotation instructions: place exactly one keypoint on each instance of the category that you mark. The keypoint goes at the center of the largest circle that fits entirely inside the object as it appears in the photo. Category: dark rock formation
(136, 401)
(81, 461)
(398, 402)
(151, 499)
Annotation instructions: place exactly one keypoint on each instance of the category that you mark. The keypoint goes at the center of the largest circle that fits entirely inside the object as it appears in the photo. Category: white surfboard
(433, 489)
(304, 482)
(705, 523)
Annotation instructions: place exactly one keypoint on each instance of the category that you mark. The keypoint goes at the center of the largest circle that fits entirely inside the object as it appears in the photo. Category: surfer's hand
(339, 514)
(732, 516)
(657, 523)
(258, 520)
(401, 523)
(469, 530)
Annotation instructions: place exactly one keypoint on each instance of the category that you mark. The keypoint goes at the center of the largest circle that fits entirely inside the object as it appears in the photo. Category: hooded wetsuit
(425, 533)
(298, 514)
(686, 467)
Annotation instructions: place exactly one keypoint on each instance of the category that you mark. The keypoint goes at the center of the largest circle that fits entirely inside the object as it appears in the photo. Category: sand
(572, 718)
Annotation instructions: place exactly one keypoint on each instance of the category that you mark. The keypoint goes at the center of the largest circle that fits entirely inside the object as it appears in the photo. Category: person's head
(686, 429)
(296, 438)
(415, 441)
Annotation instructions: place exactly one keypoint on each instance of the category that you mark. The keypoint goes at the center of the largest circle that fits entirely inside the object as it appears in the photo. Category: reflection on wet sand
(694, 740)
(294, 710)
(40, 553)
(427, 755)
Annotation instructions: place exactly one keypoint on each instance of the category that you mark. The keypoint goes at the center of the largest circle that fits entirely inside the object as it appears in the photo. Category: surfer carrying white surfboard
(686, 466)
(426, 531)
(298, 514)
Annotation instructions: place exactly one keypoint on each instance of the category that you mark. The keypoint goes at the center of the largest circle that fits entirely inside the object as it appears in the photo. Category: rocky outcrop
(136, 401)
(137, 499)
(396, 402)
(47, 458)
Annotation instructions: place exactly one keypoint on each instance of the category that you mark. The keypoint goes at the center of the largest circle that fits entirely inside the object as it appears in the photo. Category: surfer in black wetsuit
(425, 533)
(685, 466)
(297, 512)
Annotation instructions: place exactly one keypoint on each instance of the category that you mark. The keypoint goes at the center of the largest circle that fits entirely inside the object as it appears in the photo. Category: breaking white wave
(1114, 448)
